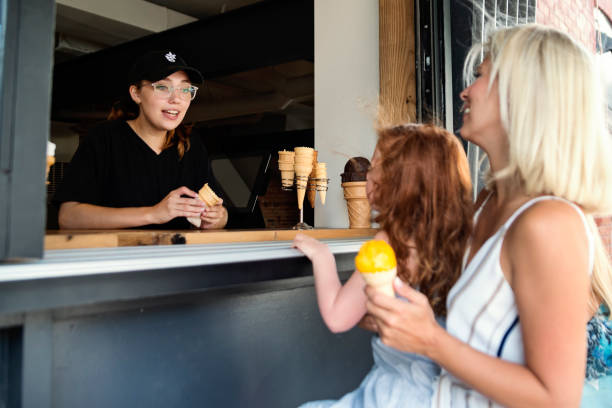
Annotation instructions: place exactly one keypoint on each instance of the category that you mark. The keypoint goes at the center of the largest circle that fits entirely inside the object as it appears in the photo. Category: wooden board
(120, 238)
(78, 241)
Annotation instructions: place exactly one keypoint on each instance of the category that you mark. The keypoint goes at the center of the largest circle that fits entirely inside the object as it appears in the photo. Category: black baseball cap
(156, 65)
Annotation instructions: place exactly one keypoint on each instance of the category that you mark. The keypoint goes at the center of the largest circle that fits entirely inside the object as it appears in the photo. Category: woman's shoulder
(551, 230)
(548, 215)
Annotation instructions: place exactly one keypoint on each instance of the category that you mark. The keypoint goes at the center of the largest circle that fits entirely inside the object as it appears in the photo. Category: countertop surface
(74, 239)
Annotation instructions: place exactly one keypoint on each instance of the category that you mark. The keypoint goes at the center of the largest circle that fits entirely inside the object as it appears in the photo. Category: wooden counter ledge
(73, 239)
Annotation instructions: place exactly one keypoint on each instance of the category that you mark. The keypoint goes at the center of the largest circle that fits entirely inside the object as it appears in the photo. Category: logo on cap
(170, 57)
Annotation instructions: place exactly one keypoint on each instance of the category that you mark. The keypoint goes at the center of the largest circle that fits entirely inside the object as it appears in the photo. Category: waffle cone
(358, 212)
(282, 166)
(300, 197)
(208, 196)
(301, 151)
(382, 281)
(287, 178)
(306, 161)
(322, 195)
(303, 170)
(311, 192)
(321, 174)
(357, 204)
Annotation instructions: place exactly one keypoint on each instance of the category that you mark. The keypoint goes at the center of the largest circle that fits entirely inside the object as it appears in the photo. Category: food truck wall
(166, 325)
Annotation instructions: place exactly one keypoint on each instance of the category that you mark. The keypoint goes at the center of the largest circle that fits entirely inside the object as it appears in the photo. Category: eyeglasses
(184, 92)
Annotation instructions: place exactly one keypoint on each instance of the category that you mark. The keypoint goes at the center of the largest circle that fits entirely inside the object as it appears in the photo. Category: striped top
(482, 312)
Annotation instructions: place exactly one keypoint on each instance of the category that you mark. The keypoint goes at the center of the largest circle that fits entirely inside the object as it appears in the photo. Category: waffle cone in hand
(377, 265)
(210, 199)
(208, 196)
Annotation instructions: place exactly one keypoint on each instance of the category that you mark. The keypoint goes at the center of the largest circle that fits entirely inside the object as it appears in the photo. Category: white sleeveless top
(482, 312)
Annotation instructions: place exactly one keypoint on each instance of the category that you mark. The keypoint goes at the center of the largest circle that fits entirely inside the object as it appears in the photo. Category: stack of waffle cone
(303, 168)
(311, 192)
(285, 165)
(320, 172)
(357, 204)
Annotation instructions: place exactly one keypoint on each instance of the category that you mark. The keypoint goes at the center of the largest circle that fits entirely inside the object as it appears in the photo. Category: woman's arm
(75, 215)
(341, 307)
(546, 253)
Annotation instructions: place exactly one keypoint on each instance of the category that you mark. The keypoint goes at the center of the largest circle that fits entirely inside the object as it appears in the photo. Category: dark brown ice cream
(355, 169)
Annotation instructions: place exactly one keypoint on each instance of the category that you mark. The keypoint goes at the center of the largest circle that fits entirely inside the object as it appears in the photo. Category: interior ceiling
(287, 88)
(203, 8)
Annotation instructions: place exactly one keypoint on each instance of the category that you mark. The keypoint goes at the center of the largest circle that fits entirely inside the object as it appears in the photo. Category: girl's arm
(75, 215)
(341, 307)
(546, 254)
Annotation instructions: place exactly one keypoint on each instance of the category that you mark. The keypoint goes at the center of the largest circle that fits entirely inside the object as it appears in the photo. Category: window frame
(25, 107)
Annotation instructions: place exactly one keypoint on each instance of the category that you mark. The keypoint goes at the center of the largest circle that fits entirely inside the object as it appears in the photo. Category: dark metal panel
(10, 367)
(37, 361)
(25, 123)
(9, 25)
(430, 65)
(213, 349)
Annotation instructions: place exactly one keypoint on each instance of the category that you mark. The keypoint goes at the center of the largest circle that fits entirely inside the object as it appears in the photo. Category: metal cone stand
(319, 186)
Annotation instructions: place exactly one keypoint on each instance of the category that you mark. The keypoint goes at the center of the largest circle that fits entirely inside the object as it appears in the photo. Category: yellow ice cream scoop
(375, 256)
(377, 264)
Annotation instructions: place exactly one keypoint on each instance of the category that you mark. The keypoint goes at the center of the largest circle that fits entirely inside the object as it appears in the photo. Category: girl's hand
(309, 246)
(173, 205)
(405, 325)
(214, 217)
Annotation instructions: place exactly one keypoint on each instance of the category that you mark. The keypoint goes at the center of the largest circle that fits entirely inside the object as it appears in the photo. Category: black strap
(506, 334)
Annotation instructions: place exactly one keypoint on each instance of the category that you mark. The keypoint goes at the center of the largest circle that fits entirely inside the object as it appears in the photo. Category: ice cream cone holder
(318, 184)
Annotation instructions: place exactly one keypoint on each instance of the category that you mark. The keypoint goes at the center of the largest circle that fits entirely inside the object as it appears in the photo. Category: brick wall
(576, 18)
(606, 7)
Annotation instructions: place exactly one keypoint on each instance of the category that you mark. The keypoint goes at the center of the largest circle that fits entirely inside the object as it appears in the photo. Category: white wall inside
(346, 93)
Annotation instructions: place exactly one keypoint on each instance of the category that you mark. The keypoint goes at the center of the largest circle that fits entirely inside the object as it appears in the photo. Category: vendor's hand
(404, 325)
(173, 205)
(309, 246)
(368, 322)
(214, 217)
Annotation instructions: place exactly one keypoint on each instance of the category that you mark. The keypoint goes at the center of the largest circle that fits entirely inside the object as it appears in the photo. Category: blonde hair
(553, 111)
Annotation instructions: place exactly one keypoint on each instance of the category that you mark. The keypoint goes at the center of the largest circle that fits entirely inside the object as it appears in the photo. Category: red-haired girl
(419, 183)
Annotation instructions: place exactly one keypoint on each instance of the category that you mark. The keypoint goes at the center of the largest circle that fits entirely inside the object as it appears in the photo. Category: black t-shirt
(114, 167)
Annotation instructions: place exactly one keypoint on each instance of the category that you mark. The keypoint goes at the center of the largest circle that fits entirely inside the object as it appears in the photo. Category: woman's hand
(214, 217)
(309, 246)
(173, 205)
(405, 325)
(368, 323)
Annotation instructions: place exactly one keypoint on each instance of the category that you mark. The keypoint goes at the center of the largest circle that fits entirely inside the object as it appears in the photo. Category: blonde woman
(535, 271)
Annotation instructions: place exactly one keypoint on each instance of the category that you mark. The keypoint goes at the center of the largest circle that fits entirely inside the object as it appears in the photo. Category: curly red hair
(423, 196)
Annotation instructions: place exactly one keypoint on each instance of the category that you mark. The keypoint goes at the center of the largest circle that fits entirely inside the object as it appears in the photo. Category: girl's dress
(397, 379)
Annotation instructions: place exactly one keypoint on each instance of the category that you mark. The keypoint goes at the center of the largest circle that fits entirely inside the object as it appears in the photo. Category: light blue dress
(597, 391)
(397, 379)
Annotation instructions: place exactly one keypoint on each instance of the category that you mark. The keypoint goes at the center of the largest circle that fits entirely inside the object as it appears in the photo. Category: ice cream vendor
(143, 168)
